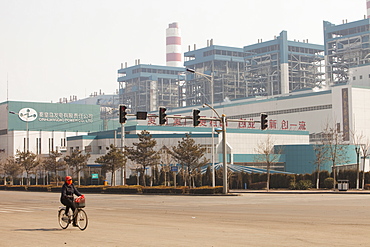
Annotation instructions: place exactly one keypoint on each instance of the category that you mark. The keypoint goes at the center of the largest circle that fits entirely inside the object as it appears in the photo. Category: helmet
(68, 178)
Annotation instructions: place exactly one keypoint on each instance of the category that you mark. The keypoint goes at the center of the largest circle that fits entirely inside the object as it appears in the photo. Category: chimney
(173, 45)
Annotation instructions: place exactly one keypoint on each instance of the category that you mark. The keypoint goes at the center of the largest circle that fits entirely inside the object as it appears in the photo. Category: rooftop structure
(226, 64)
(346, 46)
(281, 66)
(146, 87)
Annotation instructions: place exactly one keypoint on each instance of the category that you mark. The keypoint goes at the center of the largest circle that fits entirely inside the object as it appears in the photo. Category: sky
(55, 49)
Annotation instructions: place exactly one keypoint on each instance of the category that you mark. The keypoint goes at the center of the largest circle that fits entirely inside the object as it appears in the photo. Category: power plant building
(281, 66)
(44, 127)
(224, 70)
(346, 46)
(146, 87)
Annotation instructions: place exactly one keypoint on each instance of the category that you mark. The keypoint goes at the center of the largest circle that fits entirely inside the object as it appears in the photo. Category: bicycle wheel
(81, 219)
(63, 218)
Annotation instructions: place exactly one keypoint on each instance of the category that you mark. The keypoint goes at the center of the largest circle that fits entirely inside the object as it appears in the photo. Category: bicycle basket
(80, 202)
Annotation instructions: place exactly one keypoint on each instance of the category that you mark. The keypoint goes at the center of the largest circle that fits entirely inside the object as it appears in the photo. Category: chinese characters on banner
(65, 117)
(273, 124)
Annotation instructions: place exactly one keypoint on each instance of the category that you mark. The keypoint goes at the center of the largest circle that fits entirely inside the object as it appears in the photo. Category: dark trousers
(69, 203)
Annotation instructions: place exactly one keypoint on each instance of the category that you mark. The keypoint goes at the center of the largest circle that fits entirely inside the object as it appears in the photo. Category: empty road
(30, 219)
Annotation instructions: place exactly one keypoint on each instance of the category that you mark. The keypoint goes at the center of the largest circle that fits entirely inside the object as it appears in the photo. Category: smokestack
(368, 8)
(173, 45)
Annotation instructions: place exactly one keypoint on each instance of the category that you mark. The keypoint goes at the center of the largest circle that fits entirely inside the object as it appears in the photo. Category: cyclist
(66, 198)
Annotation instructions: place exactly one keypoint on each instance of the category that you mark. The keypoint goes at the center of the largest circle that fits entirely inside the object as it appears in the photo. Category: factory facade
(302, 87)
(44, 127)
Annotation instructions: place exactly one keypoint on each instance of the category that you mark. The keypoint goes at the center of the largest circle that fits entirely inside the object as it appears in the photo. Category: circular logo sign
(27, 114)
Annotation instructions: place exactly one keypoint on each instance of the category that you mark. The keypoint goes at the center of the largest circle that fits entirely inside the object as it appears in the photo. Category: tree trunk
(318, 179)
(334, 176)
(268, 176)
(363, 174)
(113, 178)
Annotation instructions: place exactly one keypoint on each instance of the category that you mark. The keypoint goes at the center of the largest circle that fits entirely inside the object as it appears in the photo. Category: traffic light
(162, 115)
(141, 115)
(122, 114)
(196, 117)
(264, 121)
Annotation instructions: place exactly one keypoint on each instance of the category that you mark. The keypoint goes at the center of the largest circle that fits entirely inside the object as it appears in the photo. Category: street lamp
(224, 152)
(27, 130)
(210, 79)
(357, 149)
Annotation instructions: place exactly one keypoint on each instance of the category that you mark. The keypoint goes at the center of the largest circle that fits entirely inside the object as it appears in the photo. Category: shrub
(258, 186)
(122, 189)
(38, 188)
(328, 183)
(90, 189)
(16, 187)
(162, 190)
(206, 190)
(293, 185)
(304, 185)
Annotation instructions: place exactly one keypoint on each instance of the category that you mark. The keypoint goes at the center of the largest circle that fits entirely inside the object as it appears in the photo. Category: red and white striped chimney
(368, 8)
(173, 45)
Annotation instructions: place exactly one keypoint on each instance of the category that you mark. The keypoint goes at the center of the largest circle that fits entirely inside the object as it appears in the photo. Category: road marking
(9, 210)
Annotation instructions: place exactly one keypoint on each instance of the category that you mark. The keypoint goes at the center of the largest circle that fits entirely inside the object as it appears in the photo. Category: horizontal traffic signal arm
(190, 117)
(242, 120)
(204, 118)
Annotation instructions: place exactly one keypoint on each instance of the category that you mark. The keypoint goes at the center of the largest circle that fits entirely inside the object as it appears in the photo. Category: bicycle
(79, 214)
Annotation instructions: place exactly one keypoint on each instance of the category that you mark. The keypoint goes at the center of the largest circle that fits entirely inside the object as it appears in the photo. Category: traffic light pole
(224, 151)
(123, 175)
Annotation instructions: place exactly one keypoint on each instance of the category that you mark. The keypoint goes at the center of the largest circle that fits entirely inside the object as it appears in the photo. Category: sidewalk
(311, 191)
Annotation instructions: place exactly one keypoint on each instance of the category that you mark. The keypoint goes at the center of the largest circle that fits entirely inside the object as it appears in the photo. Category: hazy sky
(53, 49)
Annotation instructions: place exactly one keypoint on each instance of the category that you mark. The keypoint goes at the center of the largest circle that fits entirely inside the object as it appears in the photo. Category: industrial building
(300, 86)
(44, 127)
(146, 87)
(241, 143)
(108, 106)
(219, 69)
(281, 66)
(226, 73)
(346, 45)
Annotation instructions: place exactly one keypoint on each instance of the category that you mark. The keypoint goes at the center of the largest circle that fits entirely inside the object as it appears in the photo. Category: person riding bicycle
(66, 198)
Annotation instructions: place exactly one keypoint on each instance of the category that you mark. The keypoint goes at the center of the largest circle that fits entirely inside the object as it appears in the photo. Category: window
(360, 77)
(51, 145)
(354, 78)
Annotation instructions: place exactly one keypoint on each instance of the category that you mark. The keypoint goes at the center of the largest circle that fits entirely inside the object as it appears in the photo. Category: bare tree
(363, 143)
(77, 162)
(321, 157)
(335, 148)
(54, 164)
(28, 161)
(268, 155)
(2, 163)
(11, 169)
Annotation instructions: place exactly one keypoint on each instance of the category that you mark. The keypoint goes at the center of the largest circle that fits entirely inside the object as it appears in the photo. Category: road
(30, 219)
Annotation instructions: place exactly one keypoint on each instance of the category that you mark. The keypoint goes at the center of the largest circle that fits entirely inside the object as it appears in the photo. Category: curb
(299, 192)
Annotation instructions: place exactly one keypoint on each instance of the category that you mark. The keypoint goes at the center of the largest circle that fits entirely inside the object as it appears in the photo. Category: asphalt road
(30, 219)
